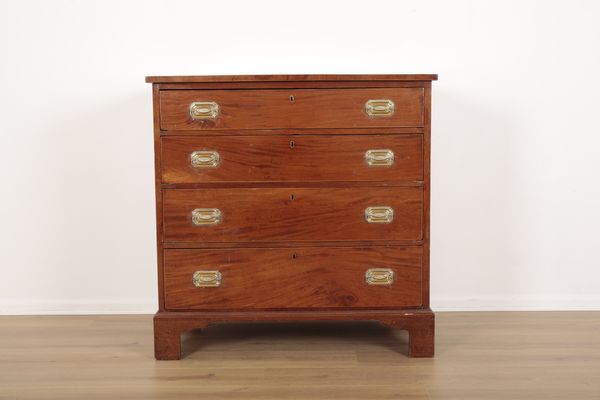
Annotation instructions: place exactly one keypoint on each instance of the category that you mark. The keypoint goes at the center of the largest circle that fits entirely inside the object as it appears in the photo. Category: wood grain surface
(158, 194)
(292, 178)
(169, 326)
(275, 109)
(287, 214)
(341, 84)
(479, 355)
(315, 78)
(305, 277)
(285, 158)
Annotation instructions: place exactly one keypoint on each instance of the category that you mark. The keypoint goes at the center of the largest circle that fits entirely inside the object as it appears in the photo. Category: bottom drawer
(284, 278)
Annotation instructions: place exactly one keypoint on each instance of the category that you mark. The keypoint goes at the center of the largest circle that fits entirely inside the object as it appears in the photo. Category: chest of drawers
(290, 198)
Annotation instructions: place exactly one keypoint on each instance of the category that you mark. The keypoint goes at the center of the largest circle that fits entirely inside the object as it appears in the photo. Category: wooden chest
(292, 197)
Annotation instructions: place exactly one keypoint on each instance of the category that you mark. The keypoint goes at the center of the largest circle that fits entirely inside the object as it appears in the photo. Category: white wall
(516, 133)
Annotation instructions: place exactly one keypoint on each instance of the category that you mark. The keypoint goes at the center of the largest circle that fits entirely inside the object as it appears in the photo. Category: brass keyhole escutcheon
(292, 98)
(292, 144)
(292, 197)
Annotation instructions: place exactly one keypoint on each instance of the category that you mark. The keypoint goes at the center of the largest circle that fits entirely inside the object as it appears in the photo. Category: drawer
(292, 214)
(291, 108)
(284, 278)
(197, 159)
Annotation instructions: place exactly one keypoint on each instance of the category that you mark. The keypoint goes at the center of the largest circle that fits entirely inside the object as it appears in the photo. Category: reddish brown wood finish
(158, 193)
(294, 85)
(257, 128)
(293, 278)
(285, 214)
(283, 109)
(264, 245)
(426, 196)
(279, 158)
(295, 131)
(314, 80)
(168, 326)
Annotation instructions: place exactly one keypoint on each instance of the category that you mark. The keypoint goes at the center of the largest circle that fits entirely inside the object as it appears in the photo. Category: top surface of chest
(293, 78)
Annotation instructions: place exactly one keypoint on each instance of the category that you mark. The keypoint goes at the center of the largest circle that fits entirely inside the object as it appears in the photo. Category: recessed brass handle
(379, 108)
(205, 159)
(379, 215)
(206, 278)
(379, 276)
(206, 216)
(379, 157)
(204, 110)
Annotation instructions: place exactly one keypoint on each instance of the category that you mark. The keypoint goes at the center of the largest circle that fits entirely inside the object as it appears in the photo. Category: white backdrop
(516, 131)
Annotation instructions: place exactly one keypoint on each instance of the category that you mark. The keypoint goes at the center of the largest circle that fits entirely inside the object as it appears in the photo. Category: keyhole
(292, 197)
(292, 98)
(295, 256)
(292, 144)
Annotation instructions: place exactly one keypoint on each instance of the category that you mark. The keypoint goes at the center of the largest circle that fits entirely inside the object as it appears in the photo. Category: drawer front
(309, 277)
(195, 159)
(293, 214)
(291, 108)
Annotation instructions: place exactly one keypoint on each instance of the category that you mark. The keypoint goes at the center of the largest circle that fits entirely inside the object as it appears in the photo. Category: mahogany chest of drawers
(292, 197)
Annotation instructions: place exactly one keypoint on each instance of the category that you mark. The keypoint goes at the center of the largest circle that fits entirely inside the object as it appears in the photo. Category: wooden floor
(525, 355)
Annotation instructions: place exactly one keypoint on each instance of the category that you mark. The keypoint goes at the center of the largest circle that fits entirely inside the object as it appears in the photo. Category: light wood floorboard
(492, 355)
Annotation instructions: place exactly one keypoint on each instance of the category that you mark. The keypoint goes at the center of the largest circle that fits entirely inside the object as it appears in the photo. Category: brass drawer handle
(379, 215)
(379, 276)
(205, 159)
(379, 157)
(379, 108)
(206, 278)
(206, 216)
(204, 110)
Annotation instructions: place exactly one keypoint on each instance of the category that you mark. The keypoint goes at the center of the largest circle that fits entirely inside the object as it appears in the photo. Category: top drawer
(291, 108)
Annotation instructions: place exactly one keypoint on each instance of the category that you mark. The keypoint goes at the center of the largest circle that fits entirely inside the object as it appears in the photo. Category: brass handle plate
(206, 278)
(205, 159)
(379, 157)
(379, 215)
(206, 216)
(379, 108)
(204, 110)
(379, 276)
